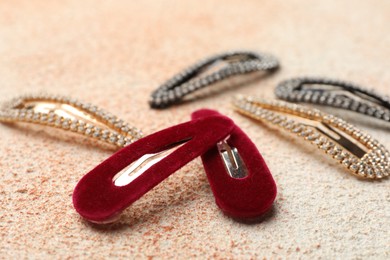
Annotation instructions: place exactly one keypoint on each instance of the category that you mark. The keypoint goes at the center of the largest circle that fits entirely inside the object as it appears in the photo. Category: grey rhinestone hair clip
(335, 93)
(205, 73)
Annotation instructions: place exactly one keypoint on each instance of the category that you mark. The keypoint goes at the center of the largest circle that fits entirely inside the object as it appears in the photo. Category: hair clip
(241, 182)
(357, 151)
(335, 93)
(103, 193)
(69, 114)
(205, 73)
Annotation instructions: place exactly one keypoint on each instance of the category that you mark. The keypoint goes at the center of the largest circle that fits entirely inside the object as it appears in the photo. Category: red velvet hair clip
(102, 194)
(242, 184)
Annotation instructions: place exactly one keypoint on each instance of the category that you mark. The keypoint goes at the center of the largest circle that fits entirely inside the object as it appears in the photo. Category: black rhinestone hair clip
(205, 73)
(335, 93)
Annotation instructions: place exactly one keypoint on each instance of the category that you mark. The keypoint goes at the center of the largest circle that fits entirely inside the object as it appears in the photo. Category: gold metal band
(71, 115)
(355, 150)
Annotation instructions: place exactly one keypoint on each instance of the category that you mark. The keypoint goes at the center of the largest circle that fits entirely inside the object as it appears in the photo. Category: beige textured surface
(113, 54)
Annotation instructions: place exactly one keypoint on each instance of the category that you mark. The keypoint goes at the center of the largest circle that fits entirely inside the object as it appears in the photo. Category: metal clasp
(232, 160)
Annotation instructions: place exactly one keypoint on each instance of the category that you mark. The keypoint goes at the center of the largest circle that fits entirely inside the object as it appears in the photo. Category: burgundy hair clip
(103, 193)
(242, 184)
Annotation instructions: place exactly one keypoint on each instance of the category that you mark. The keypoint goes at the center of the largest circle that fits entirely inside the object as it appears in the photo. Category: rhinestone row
(121, 134)
(186, 82)
(374, 164)
(360, 101)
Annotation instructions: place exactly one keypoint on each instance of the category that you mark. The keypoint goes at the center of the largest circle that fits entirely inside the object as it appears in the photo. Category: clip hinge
(232, 160)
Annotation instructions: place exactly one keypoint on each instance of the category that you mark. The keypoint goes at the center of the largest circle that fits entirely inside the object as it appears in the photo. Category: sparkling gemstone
(346, 162)
(58, 122)
(112, 138)
(369, 172)
(297, 129)
(81, 127)
(340, 156)
(320, 140)
(313, 136)
(65, 124)
(105, 134)
(378, 173)
(354, 167)
(121, 141)
(96, 132)
(88, 131)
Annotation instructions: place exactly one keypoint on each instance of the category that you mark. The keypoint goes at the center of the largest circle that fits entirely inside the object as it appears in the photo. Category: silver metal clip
(138, 167)
(232, 160)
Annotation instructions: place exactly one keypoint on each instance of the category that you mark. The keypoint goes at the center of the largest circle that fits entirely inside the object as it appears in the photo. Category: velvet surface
(98, 199)
(247, 197)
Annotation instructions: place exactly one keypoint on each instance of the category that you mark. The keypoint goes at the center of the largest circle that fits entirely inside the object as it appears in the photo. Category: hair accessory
(204, 73)
(335, 93)
(103, 193)
(69, 114)
(355, 150)
(241, 182)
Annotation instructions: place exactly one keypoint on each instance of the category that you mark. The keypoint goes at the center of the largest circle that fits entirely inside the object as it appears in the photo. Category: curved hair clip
(357, 151)
(103, 193)
(69, 114)
(335, 93)
(210, 71)
(241, 182)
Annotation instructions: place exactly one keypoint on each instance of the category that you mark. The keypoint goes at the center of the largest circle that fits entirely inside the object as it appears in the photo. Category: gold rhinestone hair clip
(71, 115)
(357, 151)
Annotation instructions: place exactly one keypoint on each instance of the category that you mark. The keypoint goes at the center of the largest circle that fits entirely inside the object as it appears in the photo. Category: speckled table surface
(113, 54)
